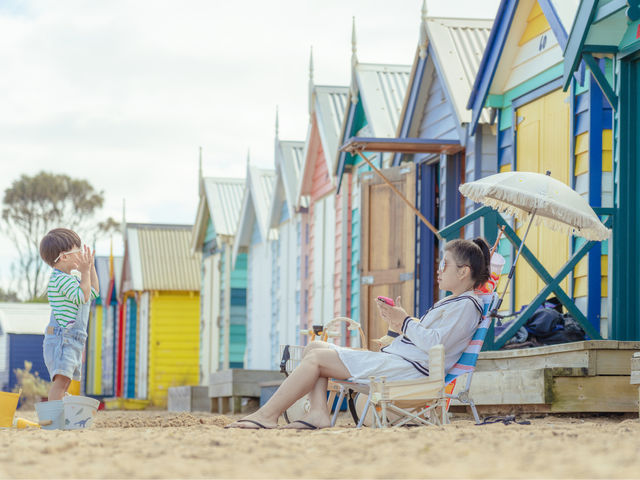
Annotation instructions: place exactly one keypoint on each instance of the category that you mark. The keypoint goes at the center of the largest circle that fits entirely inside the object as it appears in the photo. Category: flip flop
(307, 426)
(259, 425)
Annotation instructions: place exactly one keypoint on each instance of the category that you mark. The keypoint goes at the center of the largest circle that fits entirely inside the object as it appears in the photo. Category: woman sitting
(451, 322)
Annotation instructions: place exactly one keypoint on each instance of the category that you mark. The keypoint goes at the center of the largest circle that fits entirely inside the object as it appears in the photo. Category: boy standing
(70, 301)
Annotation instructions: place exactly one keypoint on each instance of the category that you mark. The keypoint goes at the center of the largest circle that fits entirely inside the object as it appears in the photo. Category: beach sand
(159, 444)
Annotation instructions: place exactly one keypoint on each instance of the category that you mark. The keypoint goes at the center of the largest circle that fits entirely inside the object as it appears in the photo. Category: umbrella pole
(513, 265)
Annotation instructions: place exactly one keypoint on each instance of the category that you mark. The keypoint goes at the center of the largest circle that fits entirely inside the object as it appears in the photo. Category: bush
(33, 387)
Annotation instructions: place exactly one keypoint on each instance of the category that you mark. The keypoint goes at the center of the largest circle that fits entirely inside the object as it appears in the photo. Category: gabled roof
(329, 105)
(158, 257)
(220, 200)
(24, 318)
(255, 206)
(288, 164)
(454, 48)
(504, 38)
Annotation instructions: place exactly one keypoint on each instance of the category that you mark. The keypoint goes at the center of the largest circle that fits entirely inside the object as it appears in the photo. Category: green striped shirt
(65, 297)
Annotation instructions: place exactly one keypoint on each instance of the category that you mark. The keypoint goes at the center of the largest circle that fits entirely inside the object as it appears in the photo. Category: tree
(8, 295)
(33, 205)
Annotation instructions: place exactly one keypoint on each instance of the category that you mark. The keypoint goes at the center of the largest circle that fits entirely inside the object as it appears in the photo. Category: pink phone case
(387, 300)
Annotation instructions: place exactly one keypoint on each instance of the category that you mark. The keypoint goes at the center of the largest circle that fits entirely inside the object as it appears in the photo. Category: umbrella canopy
(555, 204)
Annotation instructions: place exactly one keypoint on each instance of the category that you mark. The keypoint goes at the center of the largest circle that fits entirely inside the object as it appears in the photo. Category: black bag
(551, 327)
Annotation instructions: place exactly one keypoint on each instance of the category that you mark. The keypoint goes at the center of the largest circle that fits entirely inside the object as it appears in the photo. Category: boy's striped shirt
(65, 297)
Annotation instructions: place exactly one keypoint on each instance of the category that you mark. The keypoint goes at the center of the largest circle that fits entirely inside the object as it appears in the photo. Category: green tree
(33, 205)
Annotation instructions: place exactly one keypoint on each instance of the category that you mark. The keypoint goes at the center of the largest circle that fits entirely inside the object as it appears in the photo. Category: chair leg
(364, 412)
(474, 411)
(337, 409)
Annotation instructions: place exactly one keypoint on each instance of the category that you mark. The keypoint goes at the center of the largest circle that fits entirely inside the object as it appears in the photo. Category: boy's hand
(393, 315)
(85, 260)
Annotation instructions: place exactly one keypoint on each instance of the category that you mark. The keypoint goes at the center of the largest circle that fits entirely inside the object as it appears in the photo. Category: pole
(397, 192)
(513, 265)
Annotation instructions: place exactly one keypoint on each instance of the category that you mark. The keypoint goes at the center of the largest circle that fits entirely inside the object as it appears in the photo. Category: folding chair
(418, 400)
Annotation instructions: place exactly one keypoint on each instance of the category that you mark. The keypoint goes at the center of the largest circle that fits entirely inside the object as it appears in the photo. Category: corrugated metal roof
(382, 89)
(262, 183)
(224, 197)
(160, 257)
(288, 163)
(459, 44)
(330, 107)
(24, 318)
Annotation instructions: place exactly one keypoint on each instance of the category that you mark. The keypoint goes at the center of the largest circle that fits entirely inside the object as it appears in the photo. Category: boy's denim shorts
(62, 351)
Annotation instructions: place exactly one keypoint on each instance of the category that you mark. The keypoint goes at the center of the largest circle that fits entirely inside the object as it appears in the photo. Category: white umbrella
(536, 197)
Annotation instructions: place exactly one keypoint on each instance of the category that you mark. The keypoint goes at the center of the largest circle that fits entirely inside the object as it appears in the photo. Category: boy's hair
(57, 241)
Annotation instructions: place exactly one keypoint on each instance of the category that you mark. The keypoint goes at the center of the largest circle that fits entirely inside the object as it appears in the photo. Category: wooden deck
(590, 376)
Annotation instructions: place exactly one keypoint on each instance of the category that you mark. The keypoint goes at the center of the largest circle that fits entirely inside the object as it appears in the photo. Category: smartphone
(387, 300)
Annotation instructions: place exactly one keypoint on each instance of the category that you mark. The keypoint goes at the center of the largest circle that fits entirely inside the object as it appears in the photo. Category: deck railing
(492, 220)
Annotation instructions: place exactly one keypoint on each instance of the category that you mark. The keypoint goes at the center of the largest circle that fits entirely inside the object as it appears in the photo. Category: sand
(170, 445)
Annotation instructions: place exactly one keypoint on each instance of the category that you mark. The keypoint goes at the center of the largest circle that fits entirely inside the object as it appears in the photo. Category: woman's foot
(309, 421)
(255, 421)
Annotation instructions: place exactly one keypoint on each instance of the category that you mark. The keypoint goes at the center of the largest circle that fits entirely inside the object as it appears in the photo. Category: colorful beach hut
(159, 327)
(324, 282)
(256, 239)
(541, 128)
(434, 112)
(101, 351)
(285, 268)
(22, 328)
(223, 294)
(605, 41)
(374, 104)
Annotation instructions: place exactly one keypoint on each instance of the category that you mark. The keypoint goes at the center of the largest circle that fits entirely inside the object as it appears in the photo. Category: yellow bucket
(74, 388)
(8, 405)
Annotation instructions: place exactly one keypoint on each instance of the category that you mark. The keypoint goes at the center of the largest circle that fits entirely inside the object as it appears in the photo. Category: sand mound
(128, 420)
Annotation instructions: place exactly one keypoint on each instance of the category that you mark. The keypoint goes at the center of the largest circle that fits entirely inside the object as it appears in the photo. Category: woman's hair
(475, 254)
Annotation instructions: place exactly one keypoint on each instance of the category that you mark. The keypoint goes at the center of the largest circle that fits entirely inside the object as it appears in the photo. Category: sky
(123, 93)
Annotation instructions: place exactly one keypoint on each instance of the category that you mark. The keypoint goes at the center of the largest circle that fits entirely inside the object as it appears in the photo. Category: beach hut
(542, 128)
(100, 361)
(22, 328)
(324, 296)
(285, 268)
(223, 294)
(374, 104)
(160, 322)
(434, 112)
(605, 41)
(254, 237)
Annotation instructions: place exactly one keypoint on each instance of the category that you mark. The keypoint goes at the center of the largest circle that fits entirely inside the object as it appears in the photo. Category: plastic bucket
(497, 263)
(79, 412)
(51, 411)
(8, 405)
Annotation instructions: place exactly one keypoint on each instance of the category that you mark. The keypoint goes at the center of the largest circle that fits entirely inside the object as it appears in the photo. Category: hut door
(387, 245)
(543, 144)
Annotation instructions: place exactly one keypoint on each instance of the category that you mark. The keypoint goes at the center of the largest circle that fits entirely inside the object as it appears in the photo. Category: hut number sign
(633, 12)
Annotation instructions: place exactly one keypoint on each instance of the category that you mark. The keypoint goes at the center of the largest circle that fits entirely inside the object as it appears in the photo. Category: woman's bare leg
(317, 363)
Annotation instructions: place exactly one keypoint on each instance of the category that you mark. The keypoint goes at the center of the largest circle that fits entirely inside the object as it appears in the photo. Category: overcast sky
(122, 93)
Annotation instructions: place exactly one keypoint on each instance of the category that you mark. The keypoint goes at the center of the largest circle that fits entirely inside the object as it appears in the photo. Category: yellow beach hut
(161, 311)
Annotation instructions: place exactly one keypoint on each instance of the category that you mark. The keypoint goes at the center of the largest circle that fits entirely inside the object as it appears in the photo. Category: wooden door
(543, 135)
(387, 245)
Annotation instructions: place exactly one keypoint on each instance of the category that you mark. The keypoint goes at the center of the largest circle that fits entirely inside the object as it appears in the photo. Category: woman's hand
(393, 315)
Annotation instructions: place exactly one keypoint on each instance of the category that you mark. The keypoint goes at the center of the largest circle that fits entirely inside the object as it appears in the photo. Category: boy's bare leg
(59, 387)
(319, 363)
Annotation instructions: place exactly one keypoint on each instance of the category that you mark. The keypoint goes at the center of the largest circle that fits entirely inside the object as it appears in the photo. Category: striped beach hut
(434, 110)
(374, 105)
(542, 128)
(223, 294)
(285, 268)
(22, 328)
(322, 235)
(255, 238)
(160, 322)
(603, 48)
(99, 379)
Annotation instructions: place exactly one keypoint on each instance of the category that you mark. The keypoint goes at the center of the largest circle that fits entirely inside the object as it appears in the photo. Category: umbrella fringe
(496, 198)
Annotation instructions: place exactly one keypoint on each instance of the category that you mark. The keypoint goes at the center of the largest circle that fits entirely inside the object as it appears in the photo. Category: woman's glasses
(443, 265)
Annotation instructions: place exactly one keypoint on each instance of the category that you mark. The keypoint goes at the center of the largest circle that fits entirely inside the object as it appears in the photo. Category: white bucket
(497, 263)
(53, 412)
(79, 412)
